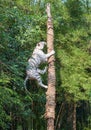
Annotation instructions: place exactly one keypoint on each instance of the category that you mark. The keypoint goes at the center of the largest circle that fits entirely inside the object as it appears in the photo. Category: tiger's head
(41, 45)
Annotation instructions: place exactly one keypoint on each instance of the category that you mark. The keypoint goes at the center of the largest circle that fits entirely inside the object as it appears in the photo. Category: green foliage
(9, 102)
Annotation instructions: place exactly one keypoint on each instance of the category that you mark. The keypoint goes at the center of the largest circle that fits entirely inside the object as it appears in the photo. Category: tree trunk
(74, 116)
(50, 94)
(59, 117)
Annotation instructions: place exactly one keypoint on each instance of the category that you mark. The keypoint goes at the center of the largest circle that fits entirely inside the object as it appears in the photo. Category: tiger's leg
(42, 71)
(42, 85)
(50, 53)
(39, 80)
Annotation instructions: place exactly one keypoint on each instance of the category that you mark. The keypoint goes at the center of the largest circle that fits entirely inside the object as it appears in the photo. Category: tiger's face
(41, 45)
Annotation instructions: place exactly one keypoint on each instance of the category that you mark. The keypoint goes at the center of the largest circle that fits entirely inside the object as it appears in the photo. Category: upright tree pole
(50, 94)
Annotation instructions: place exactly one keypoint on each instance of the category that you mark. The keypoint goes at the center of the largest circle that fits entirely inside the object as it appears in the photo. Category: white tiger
(38, 57)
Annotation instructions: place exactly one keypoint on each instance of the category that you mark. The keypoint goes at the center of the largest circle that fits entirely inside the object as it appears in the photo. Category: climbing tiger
(38, 57)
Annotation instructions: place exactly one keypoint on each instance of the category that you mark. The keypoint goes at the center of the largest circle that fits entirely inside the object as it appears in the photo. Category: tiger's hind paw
(45, 86)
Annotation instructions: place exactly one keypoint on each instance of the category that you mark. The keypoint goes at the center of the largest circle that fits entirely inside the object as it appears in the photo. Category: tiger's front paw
(52, 52)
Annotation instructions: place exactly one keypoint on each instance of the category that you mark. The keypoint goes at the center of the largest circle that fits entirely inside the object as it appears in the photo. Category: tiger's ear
(38, 44)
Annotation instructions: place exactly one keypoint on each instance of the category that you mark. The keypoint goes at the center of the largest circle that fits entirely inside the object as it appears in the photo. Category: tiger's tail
(25, 81)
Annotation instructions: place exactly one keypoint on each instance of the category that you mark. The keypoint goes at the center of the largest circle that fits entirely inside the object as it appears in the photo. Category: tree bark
(74, 116)
(50, 94)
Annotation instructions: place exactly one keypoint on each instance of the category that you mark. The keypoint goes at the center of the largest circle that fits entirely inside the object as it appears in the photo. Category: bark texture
(50, 94)
(74, 116)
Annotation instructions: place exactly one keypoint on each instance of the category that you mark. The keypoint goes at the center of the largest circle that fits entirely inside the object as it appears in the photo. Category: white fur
(38, 57)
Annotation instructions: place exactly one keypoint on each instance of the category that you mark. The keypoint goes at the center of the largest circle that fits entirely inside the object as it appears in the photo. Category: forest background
(22, 25)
